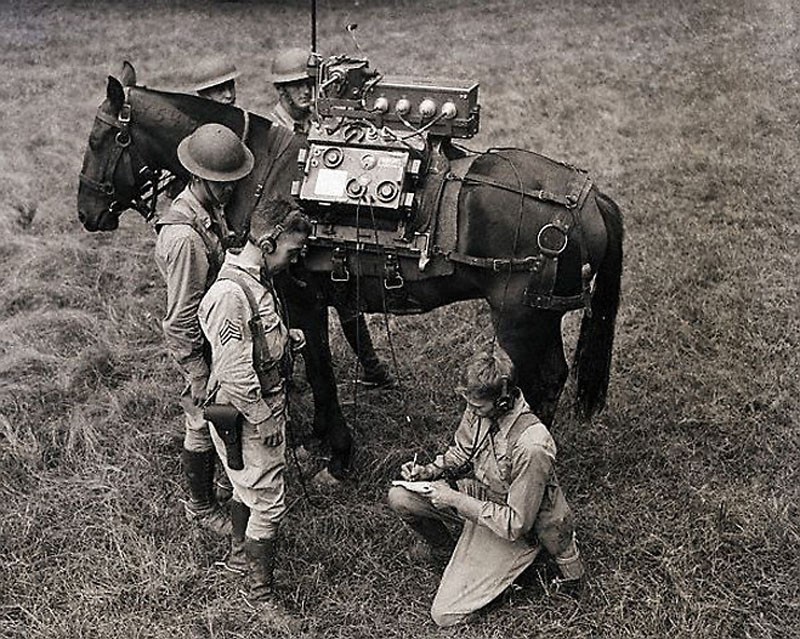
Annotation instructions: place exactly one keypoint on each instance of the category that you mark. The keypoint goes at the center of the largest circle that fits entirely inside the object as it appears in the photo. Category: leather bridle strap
(145, 203)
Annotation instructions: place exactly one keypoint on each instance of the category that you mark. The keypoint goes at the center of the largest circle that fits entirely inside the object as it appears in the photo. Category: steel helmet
(290, 65)
(212, 72)
(214, 152)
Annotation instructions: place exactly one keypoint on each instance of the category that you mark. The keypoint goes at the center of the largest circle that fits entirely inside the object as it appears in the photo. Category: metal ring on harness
(552, 252)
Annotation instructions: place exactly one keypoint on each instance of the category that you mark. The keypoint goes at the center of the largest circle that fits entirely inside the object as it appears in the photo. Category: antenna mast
(313, 26)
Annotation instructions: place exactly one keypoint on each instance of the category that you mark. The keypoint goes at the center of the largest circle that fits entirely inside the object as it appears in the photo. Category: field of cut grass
(685, 489)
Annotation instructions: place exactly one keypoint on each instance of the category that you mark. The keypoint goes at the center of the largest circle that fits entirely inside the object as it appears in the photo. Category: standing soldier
(251, 351)
(506, 496)
(189, 252)
(215, 79)
(293, 110)
(295, 89)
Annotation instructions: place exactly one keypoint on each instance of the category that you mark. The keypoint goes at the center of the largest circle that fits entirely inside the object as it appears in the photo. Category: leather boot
(223, 489)
(260, 593)
(202, 508)
(438, 543)
(236, 561)
(375, 373)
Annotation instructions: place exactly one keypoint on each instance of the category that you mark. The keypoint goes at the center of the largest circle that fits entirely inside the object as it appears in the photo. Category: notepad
(421, 487)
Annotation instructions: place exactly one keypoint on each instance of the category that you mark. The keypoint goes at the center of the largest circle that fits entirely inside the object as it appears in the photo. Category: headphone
(269, 243)
(505, 401)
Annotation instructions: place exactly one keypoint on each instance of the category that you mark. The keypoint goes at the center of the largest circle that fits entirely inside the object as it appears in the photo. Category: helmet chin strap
(218, 215)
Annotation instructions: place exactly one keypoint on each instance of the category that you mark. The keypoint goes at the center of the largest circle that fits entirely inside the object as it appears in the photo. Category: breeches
(260, 484)
(483, 565)
(196, 431)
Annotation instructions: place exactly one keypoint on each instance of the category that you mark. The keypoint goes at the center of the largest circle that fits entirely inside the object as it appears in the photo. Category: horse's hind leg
(532, 338)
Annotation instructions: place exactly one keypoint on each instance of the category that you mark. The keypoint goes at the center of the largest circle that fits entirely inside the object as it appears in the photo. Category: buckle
(124, 116)
(552, 252)
(392, 279)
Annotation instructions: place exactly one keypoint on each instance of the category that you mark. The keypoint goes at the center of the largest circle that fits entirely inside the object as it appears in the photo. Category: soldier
(215, 79)
(250, 343)
(189, 252)
(295, 90)
(293, 110)
(510, 506)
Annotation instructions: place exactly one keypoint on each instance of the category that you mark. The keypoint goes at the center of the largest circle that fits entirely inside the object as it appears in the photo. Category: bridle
(153, 181)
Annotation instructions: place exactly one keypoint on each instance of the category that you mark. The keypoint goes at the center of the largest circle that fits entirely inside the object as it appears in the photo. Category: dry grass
(686, 488)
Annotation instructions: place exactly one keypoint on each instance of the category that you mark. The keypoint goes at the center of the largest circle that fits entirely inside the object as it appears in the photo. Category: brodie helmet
(214, 152)
(213, 72)
(290, 65)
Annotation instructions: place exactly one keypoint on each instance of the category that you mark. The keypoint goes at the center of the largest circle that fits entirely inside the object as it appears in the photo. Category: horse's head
(115, 174)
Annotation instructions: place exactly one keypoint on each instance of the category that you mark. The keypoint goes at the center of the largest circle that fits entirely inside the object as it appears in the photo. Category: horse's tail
(592, 364)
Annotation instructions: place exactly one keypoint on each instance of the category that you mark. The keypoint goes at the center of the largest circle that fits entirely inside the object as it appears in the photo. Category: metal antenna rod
(314, 26)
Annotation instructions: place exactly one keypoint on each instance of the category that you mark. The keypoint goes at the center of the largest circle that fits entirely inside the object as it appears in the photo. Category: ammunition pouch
(228, 423)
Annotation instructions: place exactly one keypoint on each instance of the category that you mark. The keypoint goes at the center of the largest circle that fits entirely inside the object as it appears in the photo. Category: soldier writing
(509, 503)
(188, 253)
(250, 344)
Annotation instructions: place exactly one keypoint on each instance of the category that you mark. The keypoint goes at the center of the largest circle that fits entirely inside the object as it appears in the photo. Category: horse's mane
(182, 110)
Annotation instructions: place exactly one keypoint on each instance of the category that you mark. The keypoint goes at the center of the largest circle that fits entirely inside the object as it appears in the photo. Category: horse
(500, 228)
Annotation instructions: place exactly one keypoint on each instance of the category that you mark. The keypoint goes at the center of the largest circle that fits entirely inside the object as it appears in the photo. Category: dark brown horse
(502, 209)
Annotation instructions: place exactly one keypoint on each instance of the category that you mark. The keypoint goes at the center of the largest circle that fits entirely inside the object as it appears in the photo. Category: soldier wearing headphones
(502, 489)
(242, 319)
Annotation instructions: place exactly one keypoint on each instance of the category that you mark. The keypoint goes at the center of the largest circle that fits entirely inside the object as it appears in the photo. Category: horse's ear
(115, 93)
(128, 74)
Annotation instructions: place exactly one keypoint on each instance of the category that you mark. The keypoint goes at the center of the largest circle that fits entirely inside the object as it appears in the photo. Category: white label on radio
(330, 183)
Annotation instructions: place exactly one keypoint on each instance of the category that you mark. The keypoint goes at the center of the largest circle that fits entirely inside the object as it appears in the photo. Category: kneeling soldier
(250, 351)
(509, 506)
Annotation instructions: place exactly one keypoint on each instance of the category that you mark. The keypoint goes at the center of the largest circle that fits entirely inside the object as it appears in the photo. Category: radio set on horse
(382, 180)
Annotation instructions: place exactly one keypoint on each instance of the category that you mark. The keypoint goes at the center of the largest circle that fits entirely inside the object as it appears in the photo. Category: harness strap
(541, 195)
(269, 374)
(500, 264)
(178, 216)
(523, 422)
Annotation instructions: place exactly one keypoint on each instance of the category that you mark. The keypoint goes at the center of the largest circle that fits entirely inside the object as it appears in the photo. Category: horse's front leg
(532, 338)
(308, 313)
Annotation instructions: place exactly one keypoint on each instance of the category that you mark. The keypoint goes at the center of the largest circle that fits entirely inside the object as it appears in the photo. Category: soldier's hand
(411, 471)
(197, 390)
(441, 494)
(297, 339)
(271, 432)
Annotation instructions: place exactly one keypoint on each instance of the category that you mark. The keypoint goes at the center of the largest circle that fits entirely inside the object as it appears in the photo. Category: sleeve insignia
(229, 331)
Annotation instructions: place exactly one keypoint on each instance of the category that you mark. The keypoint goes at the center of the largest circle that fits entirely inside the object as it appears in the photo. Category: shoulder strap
(177, 216)
(522, 423)
(238, 279)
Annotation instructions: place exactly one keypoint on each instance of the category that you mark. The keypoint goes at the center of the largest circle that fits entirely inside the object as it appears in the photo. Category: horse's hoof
(324, 479)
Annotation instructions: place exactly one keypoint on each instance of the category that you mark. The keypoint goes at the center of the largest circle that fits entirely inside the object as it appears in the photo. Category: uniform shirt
(224, 315)
(514, 460)
(281, 115)
(188, 254)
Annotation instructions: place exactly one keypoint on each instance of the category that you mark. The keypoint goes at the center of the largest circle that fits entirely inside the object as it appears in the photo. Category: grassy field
(686, 488)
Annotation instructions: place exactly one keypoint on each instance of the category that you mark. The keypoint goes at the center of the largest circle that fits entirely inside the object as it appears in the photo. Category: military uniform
(512, 507)
(188, 254)
(247, 372)
(281, 115)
